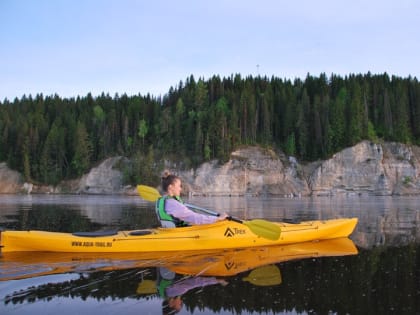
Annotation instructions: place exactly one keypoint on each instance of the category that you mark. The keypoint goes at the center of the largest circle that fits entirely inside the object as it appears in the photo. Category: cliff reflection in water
(383, 220)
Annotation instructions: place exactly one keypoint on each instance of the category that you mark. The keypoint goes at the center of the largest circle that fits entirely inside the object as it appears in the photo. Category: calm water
(383, 277)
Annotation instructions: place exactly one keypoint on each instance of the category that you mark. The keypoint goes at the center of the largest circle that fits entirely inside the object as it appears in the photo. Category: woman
(171, 210)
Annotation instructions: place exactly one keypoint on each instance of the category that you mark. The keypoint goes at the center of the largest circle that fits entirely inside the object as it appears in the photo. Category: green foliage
(290, 146)
(407, 180)
(371, 132)
(143, 169)
(53, 163)
(49, 138)
(82, 150)
(143, 129)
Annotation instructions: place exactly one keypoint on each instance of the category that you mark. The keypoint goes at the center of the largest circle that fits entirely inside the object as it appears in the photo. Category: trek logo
(229, 265)
(232, 232)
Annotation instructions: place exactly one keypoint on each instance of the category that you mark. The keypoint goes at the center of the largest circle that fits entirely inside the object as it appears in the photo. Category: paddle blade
(148, 193)
(146, 287)
(263, 228)
(264, 276)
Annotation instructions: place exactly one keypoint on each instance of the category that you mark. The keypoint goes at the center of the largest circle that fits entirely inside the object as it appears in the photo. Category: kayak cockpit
(110, 233)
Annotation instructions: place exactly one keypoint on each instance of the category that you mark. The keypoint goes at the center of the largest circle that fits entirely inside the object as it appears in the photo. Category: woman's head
(171, 184)
(172, 305)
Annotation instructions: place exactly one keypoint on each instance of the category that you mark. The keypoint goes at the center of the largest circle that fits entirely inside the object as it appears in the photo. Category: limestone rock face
(10, 181)
(402, 169)
(103, 179)
(251, 170)
(379, 169)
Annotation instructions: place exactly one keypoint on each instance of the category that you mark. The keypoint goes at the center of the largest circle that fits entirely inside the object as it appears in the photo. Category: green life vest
(165, 218)
(163, 284)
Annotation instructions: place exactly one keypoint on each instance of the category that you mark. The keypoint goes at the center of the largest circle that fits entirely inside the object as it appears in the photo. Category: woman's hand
(222, 216)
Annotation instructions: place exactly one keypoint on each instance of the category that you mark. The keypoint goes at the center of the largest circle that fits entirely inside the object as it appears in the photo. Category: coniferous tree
(355, 114)
(178, 125)
(52, 164)
(143, 130)
(318, 136)
(266, 109)
(26, 160)
(388, 117)
(338, 120)
(303, 126)
(414, 101)
(218, 131)
(401, 105)
(82, 150)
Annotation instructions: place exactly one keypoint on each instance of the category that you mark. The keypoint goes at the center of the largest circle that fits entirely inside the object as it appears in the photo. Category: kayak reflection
(219, 263)
(230, 262)
(168, 277)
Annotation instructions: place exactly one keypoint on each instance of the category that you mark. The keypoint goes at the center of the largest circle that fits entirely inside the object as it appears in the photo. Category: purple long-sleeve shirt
(180, 211)
(179, 288)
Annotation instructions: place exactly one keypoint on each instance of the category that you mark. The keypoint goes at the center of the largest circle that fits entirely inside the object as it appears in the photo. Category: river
(382, 275)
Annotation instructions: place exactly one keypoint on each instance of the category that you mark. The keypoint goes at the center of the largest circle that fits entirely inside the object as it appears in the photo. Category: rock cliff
(251, 170)
(366, 168)
(10, 181)
(378, 169)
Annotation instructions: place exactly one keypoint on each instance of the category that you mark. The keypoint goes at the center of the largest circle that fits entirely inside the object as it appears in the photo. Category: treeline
(49, 138)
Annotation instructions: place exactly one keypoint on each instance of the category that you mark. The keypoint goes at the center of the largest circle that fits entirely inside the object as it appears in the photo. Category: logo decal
(234, 231)
(229, 232)
(229, 265)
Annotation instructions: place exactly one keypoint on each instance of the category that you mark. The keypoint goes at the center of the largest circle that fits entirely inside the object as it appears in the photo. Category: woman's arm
(180, 211)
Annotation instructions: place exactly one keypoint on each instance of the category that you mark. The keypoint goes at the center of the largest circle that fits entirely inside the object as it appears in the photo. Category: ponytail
(168, 179)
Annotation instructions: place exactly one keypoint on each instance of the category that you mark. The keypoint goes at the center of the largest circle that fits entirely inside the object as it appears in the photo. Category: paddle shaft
(207, 211)
(213, 213)
(230, 218)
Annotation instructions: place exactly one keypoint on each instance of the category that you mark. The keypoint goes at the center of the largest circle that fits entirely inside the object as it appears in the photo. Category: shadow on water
(381, 277)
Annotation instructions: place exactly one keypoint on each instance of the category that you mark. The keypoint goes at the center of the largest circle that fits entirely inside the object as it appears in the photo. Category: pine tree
(338, 120)
(52, 158)
(355, 114)
(82, 150)
(143, 130)
(302, 126)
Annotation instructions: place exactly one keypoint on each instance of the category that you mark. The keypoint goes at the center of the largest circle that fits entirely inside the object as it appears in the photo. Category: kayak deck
(220, 235)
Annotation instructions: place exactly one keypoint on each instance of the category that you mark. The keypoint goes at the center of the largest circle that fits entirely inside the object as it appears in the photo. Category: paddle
(264, 276)
(146, 287)
(263, 228)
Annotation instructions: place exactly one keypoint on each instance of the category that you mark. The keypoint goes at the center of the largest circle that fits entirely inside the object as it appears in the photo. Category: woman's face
(175, 188)
(176, 303)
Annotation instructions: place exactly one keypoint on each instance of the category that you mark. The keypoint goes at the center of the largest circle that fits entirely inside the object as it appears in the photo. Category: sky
(75, 47)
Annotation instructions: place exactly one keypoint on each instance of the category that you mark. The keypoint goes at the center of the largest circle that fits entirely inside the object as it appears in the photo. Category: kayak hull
(219, 235)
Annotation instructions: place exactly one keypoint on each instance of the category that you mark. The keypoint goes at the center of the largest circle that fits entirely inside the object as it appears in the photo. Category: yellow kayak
(224, 262)
(220, 235)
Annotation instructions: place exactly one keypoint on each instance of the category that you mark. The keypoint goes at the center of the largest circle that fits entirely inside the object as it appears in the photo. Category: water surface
(382, 278)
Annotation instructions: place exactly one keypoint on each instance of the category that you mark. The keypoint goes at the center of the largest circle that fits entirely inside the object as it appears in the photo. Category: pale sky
(73, 47)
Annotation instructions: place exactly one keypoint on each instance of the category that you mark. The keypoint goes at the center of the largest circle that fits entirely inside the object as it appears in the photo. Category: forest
(50, 138)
